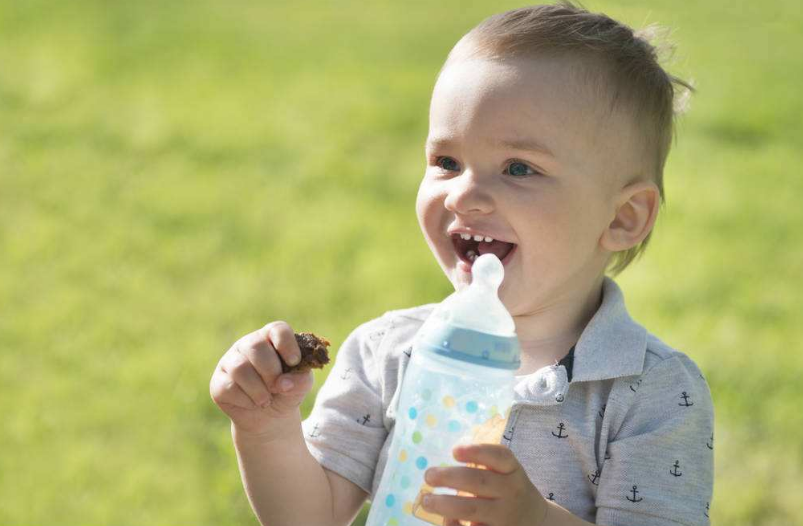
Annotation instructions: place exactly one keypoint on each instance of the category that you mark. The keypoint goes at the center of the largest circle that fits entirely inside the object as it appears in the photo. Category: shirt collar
(612, 344)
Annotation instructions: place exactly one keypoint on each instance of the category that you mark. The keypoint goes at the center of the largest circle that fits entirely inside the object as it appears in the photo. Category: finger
(493, 456)
(292, 384)
(240, 369)
(225, 391)
(262, 355)
(476, 509)
(281, 336)
(481, 482)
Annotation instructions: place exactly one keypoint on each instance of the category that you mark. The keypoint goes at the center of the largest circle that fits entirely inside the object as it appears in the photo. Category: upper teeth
(477, 238)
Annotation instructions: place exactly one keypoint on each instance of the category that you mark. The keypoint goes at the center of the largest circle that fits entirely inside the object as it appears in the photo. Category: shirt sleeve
(659, 468)
(344, 431)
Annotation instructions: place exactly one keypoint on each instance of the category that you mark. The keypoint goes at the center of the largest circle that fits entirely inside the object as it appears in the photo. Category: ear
(636, 211)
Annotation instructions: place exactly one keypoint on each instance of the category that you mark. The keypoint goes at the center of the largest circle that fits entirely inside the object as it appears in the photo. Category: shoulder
(658, 352)
(400, 319)
(669, 367)
(412, 315)
(671, 386)
(383, 335)
(400, 323)
(399, 330)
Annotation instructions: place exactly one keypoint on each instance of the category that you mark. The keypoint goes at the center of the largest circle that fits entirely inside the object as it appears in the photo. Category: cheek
(558, 230)
(428, 209)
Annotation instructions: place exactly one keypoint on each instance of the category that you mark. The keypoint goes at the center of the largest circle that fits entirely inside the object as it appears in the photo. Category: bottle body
(443, 402)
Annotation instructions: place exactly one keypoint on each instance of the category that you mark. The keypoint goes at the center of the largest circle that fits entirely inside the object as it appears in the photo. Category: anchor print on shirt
(365, 419)
(315, 433)
(707, 504)
(594, 478)
(551, 497)
(634, 389)
(635, 497)
(602, 411)
(346, 374)
(561, 428)
(408, 352)
(711, 445)
(686, 402)
(674, 471)
(509, 433)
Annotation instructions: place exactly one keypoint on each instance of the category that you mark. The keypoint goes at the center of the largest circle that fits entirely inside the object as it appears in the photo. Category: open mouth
(468, 249)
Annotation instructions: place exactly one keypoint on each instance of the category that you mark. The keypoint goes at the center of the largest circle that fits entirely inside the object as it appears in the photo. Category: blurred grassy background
(176, 174)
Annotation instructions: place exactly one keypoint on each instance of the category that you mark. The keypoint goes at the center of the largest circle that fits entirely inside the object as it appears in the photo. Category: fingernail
(294, 360)
(285, 384)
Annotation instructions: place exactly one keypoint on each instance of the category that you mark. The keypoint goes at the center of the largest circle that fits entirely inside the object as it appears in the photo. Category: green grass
(174, 175)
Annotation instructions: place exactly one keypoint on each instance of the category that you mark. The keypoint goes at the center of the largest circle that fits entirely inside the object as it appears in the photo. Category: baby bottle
(458, 389)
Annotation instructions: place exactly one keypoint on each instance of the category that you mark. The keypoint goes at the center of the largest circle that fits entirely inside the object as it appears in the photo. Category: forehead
(544, 102)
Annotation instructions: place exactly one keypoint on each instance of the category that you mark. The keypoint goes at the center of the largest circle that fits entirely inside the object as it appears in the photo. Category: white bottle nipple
(478, 306)
(488, 271)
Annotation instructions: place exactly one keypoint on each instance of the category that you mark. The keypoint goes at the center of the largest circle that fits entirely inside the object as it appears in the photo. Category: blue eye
(518, 169)
(447, 163)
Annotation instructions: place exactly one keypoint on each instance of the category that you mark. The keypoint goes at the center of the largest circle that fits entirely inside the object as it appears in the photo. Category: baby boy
(549, 128)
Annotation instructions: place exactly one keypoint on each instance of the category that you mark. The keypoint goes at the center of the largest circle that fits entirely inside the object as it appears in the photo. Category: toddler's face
(516, 153)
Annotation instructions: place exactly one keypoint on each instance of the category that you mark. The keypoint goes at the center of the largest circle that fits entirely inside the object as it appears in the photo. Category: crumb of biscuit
(314, 353)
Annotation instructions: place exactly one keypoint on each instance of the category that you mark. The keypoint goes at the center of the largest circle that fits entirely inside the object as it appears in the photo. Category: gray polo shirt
(628, 441)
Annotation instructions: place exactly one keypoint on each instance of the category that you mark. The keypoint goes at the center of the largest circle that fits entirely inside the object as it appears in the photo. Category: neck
(547, 335)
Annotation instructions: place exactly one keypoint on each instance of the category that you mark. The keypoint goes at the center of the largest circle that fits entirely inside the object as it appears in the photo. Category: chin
(456, 278)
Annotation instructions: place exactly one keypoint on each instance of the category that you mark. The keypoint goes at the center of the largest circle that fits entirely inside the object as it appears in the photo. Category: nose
(468, 194)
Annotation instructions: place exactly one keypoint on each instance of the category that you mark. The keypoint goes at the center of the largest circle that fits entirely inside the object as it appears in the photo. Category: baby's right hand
(248, 384)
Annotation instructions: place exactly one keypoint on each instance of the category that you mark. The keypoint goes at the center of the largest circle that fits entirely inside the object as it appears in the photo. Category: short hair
(624, 63)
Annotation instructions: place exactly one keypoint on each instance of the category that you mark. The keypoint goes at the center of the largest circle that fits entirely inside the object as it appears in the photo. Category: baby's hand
(504, 495)
(248, 384)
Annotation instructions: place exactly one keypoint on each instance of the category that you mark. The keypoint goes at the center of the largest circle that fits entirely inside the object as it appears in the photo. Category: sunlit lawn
(174, 175)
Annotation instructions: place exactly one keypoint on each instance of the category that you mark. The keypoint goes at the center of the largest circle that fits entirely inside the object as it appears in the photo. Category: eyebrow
(511, 144)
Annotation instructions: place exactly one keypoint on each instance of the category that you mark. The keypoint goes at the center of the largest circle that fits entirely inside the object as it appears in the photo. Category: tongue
(499, 248)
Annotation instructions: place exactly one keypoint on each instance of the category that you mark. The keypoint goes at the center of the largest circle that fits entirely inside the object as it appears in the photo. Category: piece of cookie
(314, 353)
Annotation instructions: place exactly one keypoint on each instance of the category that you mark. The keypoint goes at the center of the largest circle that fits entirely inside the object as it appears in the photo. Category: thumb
(292, 387)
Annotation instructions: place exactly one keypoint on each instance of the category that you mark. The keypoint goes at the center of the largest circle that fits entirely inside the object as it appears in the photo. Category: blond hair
(623, 61)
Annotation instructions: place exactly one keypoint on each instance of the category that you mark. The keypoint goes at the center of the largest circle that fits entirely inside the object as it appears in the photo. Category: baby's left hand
(504, 494)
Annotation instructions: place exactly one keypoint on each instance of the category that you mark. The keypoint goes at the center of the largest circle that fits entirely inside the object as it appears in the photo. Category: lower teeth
(471, 255)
